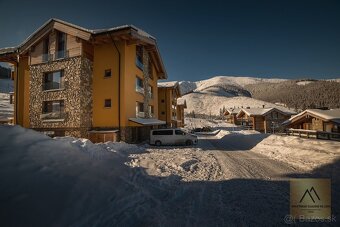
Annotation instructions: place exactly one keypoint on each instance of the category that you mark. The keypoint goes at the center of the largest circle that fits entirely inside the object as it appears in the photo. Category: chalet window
(139, 109)
(61, 45)
(162, 101)
(46, 46)
(139, 57)
(139, 85)
(163, 113)
(53, 110)
(53, 80)
(107, 103)
(107, 73)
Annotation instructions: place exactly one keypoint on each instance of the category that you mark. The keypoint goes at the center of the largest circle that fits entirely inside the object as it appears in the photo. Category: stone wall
(77, 95)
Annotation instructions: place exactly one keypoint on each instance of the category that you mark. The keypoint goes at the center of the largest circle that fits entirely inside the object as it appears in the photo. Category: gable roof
(170, 85)
(232, 111)
(124, 31)
(327, 115)
(262, 111)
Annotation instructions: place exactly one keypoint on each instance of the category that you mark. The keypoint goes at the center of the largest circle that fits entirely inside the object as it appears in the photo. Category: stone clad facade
(77, 96)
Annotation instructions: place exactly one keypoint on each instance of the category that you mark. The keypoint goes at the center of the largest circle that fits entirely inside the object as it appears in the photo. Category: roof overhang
(147, 121)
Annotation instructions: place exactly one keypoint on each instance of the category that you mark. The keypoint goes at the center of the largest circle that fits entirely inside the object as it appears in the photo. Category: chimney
(263, 106)
(248, 107)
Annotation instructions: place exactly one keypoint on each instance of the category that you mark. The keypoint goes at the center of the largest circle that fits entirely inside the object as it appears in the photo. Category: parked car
(172, 136)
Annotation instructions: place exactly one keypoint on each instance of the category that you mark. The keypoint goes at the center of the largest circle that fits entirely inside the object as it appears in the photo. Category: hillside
(208, 96)
(299, 94)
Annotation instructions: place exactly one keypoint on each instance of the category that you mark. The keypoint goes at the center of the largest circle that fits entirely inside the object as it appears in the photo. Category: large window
(53, 109)
(46, 46)
(139, 109)
(151, 111)
(53, 80)
(151, 91)
(139, 57)
(61, 45)
(139, 85)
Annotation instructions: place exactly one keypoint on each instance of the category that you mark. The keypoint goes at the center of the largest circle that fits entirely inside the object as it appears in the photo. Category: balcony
(140, 114)
(53, 116)
(61, 54)
(47, 86)
(140, 89)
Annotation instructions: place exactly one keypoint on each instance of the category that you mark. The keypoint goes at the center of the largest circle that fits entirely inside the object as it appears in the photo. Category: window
(46, 45)
(163, 132)
(162, 101)
(61, 45)
(139, 85)
(53, 80)
(179, 132)
(107, 73)
(139, 57)
(139, 109)
(163, 113)
(107, 103)
(53, 109)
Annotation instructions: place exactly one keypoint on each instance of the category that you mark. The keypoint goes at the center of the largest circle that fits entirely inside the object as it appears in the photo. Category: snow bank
(303, 153)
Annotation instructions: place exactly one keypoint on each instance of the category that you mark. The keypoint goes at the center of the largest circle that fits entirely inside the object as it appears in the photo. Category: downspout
(119, 73)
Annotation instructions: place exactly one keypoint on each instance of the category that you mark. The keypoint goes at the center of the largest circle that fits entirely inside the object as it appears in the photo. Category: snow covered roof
(232, 111)
(329, 115)
(147, 121)
(182, 102)
(168, 84)
(262, 111)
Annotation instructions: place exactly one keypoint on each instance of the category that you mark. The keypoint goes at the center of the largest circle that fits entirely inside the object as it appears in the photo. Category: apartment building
(99, 84)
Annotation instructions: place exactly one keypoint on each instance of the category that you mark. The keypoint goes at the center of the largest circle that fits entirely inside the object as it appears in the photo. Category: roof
(328, 115)
(168, 84)
(147, 121)
(263, 111)
(182, 102)
(88, 35)
(233, 111)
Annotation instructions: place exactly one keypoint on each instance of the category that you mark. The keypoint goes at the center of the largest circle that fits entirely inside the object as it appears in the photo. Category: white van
(171, 136)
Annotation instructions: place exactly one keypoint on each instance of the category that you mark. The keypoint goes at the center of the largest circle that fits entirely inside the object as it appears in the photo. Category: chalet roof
(168, 84)
(233, 111)
(8, 50)
(328, 115)
(264, 111)
(182, 102)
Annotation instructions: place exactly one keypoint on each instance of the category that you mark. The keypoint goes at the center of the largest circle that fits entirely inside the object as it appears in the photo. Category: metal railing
(53, 86)
(53, 116)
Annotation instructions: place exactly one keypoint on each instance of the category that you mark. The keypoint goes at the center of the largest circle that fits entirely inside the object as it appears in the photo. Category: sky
(200, 39)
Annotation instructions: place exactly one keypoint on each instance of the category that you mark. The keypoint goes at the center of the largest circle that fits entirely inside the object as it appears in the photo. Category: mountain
(209, 96)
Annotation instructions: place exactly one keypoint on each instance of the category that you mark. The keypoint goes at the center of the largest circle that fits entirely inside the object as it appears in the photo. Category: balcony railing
(139, 89)
(61, 54)
(140, 114)
(53, 86)
(53, 116)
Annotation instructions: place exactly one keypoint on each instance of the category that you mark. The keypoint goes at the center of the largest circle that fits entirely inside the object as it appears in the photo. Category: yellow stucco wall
(106, 57)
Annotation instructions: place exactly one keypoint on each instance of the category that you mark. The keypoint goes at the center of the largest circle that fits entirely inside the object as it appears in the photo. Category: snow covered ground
(236, 178)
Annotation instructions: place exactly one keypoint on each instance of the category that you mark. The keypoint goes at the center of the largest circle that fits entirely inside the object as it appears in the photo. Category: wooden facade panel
(37, 54)
(87, 50)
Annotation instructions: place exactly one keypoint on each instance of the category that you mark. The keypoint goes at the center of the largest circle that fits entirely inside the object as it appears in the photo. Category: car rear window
(163, 132)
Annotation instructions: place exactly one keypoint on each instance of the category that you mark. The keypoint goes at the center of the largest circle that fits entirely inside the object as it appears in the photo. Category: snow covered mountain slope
(224, 82)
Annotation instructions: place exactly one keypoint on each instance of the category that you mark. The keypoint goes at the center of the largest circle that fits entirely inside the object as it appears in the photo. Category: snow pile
(303, 153)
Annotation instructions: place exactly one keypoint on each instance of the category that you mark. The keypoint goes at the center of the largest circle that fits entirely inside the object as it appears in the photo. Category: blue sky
(200, 39)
